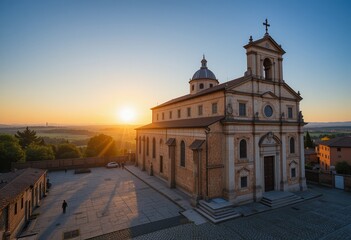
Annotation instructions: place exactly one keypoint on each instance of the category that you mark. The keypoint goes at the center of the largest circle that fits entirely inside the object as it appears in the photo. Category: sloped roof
(338, 142)
(219, 87)
(15, 183)
(183, 123)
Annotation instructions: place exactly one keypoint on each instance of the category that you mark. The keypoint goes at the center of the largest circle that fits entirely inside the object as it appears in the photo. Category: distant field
(316, 132)
(79, 135)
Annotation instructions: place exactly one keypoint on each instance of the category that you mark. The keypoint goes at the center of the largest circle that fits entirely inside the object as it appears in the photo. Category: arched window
(182, 154)
(292, 145)
(139, 144)
(267, 64)
(153, 147)
(243, 149)
(147, 146)
(201, 85)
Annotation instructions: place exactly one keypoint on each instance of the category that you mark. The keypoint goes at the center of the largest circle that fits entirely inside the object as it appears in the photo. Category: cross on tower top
(267, 25)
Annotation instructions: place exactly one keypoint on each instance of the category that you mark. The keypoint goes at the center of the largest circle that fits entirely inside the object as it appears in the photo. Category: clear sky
(82, 62)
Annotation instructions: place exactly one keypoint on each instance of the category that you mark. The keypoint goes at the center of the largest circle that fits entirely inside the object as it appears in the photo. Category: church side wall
(184, 176)
(170, 112)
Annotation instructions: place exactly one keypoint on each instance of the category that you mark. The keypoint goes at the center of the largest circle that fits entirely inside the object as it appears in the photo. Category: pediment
(243, 172)
(269, 139)
(293, 163)
(269, 94)
(267, 42)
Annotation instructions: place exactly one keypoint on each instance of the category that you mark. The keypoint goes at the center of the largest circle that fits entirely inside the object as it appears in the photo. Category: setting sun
(127, 115)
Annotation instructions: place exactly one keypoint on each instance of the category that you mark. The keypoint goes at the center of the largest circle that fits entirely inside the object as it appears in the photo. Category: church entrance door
(269, 173)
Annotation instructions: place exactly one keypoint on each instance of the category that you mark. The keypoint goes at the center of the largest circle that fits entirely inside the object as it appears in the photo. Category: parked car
(112, 165)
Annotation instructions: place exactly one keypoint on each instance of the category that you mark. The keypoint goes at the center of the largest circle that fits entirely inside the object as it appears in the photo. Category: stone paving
(326, 217)
(103, 201)
(115, 204)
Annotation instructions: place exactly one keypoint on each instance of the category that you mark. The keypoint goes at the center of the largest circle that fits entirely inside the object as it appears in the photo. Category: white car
(112, 165)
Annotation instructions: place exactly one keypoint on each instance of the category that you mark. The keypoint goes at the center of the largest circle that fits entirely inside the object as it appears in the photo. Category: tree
(36, 152)
(343, 168)
(67, 150)
(28, 137)
(10, 151)
(308, 141)
(101, 145)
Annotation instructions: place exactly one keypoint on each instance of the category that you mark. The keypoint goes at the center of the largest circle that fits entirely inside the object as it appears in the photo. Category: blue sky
(79, 62)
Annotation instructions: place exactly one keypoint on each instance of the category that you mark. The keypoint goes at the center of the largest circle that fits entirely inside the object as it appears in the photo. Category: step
(223, 214)
(217, 220)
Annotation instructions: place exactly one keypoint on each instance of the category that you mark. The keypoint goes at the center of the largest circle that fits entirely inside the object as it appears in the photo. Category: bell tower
(265, 58)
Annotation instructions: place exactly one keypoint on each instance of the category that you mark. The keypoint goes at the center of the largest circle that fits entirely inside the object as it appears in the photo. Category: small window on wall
(201, 86)
(290, 112)
(15, 209)
(243, 149)
(161, 164)
(214, 108)
(179, 113)
(211, 85)
(292, 145)
(153, 147)
(189, 112)
(243, 182)
(147, 146)
(338, 149)
(293, 172)
(139, 144)
(192, 87)
(242, 109)
(200, 110)
(182, 154)
(163, 116)
(170, 115)
(157, 117)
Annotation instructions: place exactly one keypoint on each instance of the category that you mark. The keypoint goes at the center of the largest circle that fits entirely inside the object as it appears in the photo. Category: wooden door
(269, 173)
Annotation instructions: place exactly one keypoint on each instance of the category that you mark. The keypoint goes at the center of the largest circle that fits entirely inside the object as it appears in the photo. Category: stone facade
(234, 140)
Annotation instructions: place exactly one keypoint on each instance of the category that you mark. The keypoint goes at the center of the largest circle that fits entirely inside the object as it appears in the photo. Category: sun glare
(127, 115)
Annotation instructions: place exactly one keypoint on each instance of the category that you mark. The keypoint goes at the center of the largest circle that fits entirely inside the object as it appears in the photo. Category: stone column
(137, 152)
(229, 168)
(171, 167)
(258, 170)
(143, 153)
(196, 171)
(284, 182)
(303, 186)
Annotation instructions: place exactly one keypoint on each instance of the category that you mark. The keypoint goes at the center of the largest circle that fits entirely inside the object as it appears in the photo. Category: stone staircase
(276, 199)
(217, 210)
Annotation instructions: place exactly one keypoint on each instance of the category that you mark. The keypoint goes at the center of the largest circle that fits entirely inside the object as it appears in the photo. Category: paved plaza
(326, 217)
(99, 202)
(125, 204)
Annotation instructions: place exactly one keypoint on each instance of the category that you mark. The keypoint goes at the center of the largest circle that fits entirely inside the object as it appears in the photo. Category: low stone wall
(73, 163)
(326, 179)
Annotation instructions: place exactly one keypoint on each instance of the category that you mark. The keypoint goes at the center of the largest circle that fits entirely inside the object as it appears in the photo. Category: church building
(234, 140)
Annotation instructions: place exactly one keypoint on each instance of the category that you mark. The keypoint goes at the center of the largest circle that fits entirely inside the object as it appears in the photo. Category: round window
(268, 111)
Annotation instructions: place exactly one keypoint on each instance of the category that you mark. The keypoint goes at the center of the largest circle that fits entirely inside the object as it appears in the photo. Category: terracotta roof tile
(219, 87)
(15, 183)
(338, 142)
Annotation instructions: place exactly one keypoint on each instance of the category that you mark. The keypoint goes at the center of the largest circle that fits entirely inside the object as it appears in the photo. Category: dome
(204, 72)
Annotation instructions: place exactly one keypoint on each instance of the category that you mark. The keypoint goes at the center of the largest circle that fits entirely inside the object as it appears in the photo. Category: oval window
(268, 111)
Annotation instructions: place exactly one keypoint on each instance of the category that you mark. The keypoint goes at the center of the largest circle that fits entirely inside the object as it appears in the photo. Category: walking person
(64, 206)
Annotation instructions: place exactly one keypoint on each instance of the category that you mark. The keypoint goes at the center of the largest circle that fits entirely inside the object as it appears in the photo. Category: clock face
(268, 111)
